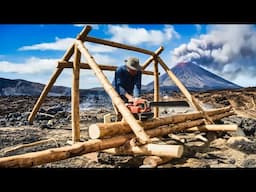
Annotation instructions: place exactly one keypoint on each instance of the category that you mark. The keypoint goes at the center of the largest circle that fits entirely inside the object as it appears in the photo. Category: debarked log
(56, 154)
(174, 151)
(101, 130)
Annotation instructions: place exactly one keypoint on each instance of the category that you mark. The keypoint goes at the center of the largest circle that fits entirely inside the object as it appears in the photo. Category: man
(127, 81)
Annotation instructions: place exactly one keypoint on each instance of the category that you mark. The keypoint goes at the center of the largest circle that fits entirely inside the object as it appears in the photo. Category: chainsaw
(141, 108)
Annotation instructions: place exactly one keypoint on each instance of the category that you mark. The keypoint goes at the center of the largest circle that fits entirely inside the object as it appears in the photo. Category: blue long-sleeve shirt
(125, 82)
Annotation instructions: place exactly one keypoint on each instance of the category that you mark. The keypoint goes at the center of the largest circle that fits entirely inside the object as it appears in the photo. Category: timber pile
(129, 136)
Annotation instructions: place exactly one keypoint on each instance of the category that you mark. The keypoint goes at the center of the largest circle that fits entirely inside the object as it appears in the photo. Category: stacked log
(104, 130)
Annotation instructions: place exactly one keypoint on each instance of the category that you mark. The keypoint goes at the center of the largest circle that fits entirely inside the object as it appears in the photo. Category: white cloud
(136, 36)
(58, 45)
(228, 49)
(64, 44)
(32, 65)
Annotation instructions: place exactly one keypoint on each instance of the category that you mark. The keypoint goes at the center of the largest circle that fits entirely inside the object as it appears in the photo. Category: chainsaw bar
(180, 103)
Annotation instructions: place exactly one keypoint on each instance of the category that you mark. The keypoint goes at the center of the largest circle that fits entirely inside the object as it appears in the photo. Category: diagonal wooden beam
(116, 99)
(183, 89)
(151, 58)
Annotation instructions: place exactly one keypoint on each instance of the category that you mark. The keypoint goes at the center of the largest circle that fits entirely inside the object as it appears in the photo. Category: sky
(32, 51)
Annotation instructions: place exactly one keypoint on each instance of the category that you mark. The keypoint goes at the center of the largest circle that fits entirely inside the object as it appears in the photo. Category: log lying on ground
(154, 161)
(215, 127)
(101, 130)
(175, 151)
(56, 154)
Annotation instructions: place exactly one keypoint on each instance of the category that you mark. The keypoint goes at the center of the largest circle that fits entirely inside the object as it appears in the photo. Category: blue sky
(31, 51)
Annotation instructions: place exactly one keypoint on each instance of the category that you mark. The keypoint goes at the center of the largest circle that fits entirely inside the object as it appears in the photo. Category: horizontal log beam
(118, 45)
(69, 64)
(101, 130)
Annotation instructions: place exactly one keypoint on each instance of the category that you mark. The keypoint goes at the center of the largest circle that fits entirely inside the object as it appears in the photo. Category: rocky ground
(53, 125)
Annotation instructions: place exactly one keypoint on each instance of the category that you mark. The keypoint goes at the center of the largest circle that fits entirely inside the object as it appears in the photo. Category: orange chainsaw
(141, 108)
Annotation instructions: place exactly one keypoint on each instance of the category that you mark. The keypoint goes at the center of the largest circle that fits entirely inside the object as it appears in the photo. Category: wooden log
(154, 161)
(175, 151)
(156, 88)
(44, 93)
(101, 130)
(75, 98)
(56, 154)
(184, 90)
(69, 64)
(116, 99)
(81, 36)
(118, 45)
(222, 127)
(151, 58)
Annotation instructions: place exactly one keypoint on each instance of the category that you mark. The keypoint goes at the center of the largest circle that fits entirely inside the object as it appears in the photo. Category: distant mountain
(194, 78)
(15, 87)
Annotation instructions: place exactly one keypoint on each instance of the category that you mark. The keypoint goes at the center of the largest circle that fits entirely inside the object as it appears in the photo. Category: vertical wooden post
(156, 88)
(184, 90)
(76, 97)
(45, 91)
(116, 99)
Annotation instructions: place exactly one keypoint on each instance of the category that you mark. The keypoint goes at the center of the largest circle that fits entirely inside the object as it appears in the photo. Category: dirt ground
(53, 125)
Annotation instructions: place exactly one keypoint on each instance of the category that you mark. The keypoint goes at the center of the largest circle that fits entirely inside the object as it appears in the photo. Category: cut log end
(94, 131)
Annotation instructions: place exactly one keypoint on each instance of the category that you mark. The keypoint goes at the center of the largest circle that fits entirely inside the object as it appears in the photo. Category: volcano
(194, 78)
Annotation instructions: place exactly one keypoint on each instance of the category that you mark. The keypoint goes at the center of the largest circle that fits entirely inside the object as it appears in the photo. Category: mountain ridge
(194, 78)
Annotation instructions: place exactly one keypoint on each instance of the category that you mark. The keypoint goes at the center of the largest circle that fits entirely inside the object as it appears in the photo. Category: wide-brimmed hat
(133, 63)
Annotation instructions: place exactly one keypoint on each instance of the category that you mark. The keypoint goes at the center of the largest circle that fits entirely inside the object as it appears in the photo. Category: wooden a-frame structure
(78, 48)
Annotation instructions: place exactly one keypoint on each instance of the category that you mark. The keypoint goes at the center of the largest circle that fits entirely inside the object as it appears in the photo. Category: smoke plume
(228, 50)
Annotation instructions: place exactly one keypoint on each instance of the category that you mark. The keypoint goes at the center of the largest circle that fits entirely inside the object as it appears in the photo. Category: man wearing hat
(127, 81)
